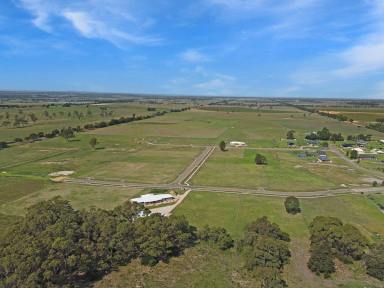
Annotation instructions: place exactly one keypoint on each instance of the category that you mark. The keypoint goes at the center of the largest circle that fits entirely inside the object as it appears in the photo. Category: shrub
(292, 205)
(260, 159)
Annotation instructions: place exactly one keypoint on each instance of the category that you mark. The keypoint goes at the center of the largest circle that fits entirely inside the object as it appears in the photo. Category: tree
(292, 205)
(33, 117)
(57, 246)
(217, 236)
(324, 134)
(159, 237)
(354, 154)
(3, 144)
(265, 250)
(260, 159)
(67, 133)
(222, 146)
(93, 142)
(291, 134)
(374, 261)
(322, 260)
(331, 238)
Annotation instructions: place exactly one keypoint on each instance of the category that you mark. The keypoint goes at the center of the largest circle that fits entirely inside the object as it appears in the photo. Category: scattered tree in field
(374, 261)
(260, 159)
(67, 133)
(222, 146)
(354, 154)
(93, 142)
(291, 134)
(374, 184)
(292, 205)
(217, 236)
(33, 117)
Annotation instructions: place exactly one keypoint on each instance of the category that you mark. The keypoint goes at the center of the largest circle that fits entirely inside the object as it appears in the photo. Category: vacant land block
(284, 171)
(235, 212)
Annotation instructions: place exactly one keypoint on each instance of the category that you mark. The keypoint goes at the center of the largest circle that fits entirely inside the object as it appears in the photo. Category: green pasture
(234, 212)
(258, 129)
(116, 157)
(284, 171)
(81, 197)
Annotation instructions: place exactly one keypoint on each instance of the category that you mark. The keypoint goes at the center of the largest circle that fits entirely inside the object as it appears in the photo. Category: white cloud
(40, 11)
(215, 83)
(194, 56)
(111, 21)
(362, 58)
(367, 55)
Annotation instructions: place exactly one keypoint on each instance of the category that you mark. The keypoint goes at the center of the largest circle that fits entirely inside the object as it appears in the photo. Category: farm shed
(151, 199)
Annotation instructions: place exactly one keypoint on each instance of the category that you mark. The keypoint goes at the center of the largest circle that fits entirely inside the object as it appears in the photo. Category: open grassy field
(285, 171)
(258, 129)
(81, 197)
(116, 158)
(234, 212)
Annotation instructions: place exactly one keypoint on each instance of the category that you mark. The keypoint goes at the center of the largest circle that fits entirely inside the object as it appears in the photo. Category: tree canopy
(56, 245)
(265, 249)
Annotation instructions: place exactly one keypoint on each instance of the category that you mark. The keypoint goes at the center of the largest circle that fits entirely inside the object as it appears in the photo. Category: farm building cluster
(361, 150)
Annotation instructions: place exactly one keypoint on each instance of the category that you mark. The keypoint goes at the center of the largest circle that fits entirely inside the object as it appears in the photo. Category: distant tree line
(325, 135)
(69, 132)
(363, 137)
(376, 126)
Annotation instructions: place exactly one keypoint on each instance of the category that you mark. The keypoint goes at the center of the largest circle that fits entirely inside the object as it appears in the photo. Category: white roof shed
(152, 198)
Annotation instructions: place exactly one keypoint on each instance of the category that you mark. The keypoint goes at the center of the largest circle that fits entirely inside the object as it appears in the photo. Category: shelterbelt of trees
(69, 132)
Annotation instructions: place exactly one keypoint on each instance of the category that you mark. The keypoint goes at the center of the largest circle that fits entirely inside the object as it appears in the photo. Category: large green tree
(374, 261)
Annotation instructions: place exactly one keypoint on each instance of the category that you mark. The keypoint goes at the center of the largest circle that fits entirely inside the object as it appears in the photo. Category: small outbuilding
(237, 144)
(153, 199)
(323, 158)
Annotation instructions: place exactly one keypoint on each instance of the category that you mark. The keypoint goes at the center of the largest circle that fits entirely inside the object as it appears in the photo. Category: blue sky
(301, 48)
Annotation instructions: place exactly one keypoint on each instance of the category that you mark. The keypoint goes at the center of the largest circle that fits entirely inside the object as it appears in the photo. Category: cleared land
(234, 212)
(157, 150)
(285, 171)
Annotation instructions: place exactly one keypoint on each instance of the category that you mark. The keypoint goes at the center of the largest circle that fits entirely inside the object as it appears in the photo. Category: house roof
(323, 157)
(148, 198)
(358, 150)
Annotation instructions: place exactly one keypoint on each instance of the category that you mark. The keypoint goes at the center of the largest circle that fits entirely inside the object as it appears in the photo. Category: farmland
(156, 151)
